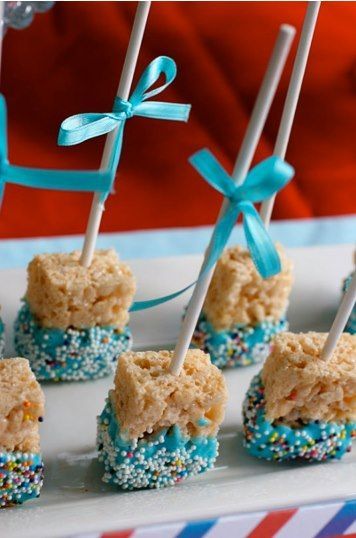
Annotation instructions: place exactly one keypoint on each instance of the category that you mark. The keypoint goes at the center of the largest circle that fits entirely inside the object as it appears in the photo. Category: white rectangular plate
(75, 500)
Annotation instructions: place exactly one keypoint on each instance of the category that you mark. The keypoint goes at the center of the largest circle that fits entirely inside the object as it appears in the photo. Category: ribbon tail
(217, 245)
(143, 305)
(163, 111)
(262, 250)
(114, 159)
(220, 238)
(71, 180)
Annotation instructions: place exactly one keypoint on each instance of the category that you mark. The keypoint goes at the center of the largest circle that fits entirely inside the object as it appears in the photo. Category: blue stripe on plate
(340, 522)
(196, 529)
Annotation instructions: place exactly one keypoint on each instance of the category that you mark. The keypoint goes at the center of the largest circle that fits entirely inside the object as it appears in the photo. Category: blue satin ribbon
(264, 180)
(71, 180)
(84, 126)
(81, 127)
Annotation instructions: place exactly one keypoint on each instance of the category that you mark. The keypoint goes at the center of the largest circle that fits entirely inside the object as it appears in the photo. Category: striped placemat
(330, 520)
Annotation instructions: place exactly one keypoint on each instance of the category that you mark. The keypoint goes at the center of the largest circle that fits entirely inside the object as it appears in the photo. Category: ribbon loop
(80, 127)
(162, 65)
(265, 179)
(209, 167)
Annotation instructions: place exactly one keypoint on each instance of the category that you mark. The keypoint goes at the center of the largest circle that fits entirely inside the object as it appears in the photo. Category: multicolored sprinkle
(68, 355)
(21, 477)
(351, 324)
(156, 461)
(240, 346)
(311, 442)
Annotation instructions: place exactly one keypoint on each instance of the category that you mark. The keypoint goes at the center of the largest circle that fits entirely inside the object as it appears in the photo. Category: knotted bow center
(236, 197)
(123, 107)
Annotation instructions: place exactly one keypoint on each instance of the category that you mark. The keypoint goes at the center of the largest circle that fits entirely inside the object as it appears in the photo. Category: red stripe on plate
(353, 535)
(272, 523)
(118, 534)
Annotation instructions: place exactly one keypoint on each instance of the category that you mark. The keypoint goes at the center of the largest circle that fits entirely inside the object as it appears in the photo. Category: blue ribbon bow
(81, 127)
(84, 126)
(264, 180)
(71, 180)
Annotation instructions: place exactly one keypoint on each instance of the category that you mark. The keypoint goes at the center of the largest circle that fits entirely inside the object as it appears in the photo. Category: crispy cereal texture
(62, 293)
(147, 397)
(300, 385)
(238, 294)
(21, 405)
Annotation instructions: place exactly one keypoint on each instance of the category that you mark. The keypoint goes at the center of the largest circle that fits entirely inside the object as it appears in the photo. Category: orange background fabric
(69, 61)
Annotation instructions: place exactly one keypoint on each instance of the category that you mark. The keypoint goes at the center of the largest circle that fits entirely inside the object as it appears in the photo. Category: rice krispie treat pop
(158, 428)
(242, 311)
(160, 423)
(73, 322)
(21, 411)
(303, 404)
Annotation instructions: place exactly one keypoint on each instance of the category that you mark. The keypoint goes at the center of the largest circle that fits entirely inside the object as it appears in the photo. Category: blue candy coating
(314, 441)
(156, 461)
(351, 324)
(21, 477)
(71, 354)
(240, 346)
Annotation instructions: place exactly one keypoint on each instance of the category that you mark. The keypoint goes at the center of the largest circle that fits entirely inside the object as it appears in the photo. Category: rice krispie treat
(301, 406)
(242, 311)
(21, 411)
(73, 323)
(158, 429)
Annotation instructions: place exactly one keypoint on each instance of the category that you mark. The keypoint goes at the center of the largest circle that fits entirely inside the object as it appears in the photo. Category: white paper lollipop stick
(342, 316)
(292, 98)
(242, 165)
(123, 91)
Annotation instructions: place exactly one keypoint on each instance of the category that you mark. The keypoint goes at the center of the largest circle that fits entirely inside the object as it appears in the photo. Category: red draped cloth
(69, 61)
